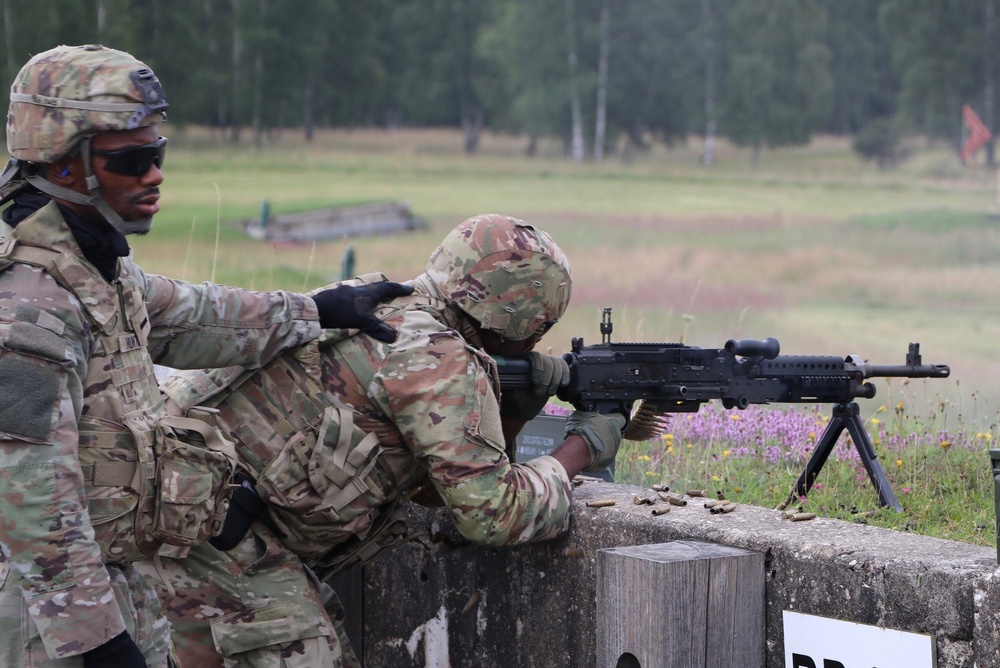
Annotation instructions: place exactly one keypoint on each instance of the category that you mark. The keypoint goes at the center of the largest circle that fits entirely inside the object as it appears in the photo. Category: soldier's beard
(139, 227)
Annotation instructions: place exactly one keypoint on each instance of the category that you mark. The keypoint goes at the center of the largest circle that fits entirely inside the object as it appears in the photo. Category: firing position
(335, 437)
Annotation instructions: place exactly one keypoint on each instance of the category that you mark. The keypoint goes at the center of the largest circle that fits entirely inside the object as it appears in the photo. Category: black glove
(548, 373)
(348, 307)
(119, 652)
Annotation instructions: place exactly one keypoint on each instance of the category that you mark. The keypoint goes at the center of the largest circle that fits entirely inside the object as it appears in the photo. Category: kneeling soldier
(334, 437)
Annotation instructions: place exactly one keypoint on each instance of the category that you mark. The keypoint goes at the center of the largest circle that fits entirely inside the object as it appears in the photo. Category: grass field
(812, 246)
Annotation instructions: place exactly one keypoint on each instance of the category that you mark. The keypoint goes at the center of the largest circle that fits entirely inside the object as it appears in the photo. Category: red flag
(978, 134)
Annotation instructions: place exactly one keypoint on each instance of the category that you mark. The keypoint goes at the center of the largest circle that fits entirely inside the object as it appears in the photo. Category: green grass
(942, 479)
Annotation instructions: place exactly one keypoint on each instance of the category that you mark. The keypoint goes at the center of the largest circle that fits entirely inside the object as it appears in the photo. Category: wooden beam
(685, 604)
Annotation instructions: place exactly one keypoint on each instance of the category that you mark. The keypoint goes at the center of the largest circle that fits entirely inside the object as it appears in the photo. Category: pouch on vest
(194, 468)
(325, 485)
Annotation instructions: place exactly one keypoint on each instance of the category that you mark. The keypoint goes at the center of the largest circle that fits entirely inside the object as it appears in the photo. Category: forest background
(604, 76)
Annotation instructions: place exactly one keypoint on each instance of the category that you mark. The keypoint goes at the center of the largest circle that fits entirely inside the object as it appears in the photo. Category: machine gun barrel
(914, 367)
(904, 371)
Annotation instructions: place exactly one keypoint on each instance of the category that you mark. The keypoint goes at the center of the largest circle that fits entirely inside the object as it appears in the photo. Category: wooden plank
(685, 604)
(362, 220)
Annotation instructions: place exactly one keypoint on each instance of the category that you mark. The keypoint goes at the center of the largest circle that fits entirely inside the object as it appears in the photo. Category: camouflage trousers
(255, 606)
(20, 644)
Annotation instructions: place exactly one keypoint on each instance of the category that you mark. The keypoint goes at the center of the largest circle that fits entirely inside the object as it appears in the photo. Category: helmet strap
(11, 181)
(94, 198)
(470, 330)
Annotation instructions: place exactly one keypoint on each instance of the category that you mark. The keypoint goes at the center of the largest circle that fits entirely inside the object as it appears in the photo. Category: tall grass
(940, 475)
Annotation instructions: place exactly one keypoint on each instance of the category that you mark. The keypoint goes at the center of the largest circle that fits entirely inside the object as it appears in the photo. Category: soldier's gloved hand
(350, 307)
(602, 433)
(548, 373)
(119, 652)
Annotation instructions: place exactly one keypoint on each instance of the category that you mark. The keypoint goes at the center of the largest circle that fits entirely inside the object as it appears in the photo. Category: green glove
(603, 434)
(548, 373)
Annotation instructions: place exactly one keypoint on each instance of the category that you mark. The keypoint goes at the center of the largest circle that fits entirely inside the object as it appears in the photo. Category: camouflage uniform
(78, 407)
(431, 399)
(253, 606)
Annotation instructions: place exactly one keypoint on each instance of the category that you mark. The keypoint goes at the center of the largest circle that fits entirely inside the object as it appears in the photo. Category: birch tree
(576, 115)
(601, 111)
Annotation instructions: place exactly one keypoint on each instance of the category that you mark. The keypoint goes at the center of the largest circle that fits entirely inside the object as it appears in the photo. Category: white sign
(820, 642)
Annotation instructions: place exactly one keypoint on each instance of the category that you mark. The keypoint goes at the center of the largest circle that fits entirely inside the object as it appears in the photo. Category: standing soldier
(91, 478)
(334, 437)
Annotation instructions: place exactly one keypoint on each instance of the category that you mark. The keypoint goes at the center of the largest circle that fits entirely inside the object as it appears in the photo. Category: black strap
(245, 505)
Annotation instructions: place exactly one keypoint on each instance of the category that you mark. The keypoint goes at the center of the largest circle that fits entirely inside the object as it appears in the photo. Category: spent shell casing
(720, 508)
(720, 495)
(801, 517)
(472, 603)
(660, 488)
(601, 503)
(643, 500)
(661, 510)
(574, 551)
(696, 492)
(673, 499)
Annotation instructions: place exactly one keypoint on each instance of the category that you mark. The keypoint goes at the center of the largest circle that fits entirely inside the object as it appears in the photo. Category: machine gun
(675, 378)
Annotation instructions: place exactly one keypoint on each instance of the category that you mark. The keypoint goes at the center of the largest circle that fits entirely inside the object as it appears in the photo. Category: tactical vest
(148, 478)
(326, 494)
(327, 491)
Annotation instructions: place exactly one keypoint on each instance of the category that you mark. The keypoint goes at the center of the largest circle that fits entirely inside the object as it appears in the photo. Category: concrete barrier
(440, 601)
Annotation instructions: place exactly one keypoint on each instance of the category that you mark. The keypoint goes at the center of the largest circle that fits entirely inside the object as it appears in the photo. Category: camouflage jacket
(78, 404)
(432, 401)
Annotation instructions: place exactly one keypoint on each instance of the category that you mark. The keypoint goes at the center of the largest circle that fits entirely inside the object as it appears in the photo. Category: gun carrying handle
(768, 348)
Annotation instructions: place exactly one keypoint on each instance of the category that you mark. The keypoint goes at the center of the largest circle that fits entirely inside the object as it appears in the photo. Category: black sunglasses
(134, 160)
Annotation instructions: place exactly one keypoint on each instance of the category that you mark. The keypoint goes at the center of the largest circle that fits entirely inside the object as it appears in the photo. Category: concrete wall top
(535, 605)
(764, 529)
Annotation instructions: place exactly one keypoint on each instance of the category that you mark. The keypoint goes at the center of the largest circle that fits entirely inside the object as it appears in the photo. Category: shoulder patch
(40, 318)
(29, 393)
(29, 338)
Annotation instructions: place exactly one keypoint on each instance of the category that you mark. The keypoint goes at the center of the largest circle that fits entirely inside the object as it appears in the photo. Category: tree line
(602, 75)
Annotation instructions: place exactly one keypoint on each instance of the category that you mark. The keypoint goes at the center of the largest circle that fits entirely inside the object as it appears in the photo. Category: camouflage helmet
(506, 275)
(68, 93)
